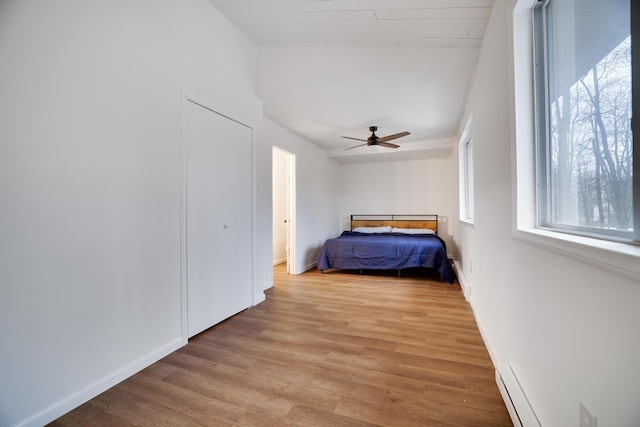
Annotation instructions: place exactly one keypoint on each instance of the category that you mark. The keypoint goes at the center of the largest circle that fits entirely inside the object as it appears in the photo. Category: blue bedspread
(385, 251)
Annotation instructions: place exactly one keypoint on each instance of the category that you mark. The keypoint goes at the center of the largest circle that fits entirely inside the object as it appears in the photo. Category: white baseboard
(511, 389)
(465, 284)
(279, 261)
(310, 266)
(260, 297)
(61, 407)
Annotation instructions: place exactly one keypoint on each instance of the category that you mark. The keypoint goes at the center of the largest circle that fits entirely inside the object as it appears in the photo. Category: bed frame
(400, 221)
(387, 251)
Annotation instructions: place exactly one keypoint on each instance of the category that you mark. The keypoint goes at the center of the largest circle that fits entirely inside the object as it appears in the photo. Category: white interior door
(279, 204)
(291, 213)
(218, 217)
(283, 207)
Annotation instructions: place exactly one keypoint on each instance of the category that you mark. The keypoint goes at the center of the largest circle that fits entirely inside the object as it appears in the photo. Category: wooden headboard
(400, 221)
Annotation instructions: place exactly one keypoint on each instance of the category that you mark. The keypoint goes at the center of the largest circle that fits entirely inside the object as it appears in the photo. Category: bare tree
(592, 146)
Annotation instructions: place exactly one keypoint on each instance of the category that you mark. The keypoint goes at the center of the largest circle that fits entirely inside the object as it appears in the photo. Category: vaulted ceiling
(332, 68)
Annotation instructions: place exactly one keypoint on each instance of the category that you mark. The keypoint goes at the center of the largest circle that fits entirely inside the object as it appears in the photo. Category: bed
(388, 242)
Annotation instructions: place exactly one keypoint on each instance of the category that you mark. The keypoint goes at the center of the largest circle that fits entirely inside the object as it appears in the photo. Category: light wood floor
(323, 350)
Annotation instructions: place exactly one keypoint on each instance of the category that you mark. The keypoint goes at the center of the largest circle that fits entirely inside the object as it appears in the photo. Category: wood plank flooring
(333, 349)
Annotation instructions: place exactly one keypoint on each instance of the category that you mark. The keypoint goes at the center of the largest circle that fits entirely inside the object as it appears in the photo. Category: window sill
(467, 221)
(619, 258)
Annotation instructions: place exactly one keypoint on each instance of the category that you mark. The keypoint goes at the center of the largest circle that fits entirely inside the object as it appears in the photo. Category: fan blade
(356, 139)
(356, 146)
(387, 144)
(394, 136)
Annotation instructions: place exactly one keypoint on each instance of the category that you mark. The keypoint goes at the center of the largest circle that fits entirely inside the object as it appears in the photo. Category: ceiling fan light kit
(374, 140)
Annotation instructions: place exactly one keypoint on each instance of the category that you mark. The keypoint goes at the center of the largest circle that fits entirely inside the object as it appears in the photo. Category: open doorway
(284, 208)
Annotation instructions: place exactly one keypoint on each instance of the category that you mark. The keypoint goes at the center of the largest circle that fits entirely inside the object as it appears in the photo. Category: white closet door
(219, 218)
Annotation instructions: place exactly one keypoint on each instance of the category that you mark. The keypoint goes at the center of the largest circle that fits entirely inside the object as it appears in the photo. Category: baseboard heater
(462, 279)
(515, 399)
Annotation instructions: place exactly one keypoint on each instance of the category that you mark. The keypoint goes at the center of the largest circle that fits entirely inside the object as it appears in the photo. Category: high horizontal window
(584, 104)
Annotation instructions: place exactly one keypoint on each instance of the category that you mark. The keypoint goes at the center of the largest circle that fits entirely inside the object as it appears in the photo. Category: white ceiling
(332, 68)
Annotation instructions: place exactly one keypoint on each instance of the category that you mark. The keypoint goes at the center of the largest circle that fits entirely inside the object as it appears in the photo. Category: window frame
(465, 179)
(542, 133)
(622, 259)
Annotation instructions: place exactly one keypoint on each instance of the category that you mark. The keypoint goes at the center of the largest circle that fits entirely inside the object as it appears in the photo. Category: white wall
(90, 183)
(317, 178)
(569, 329)
(424, 186)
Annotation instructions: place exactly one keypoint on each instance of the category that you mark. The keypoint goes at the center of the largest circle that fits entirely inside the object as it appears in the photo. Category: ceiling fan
(375, 140)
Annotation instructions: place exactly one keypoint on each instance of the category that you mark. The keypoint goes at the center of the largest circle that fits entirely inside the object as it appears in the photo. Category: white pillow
(413, 230)
(385, 229)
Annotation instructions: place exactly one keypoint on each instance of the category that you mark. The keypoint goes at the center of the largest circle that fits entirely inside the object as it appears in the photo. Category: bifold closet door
(218, 217)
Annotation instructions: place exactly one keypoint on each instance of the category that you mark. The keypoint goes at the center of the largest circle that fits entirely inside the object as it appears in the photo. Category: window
(465, 151)
(584, 101)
